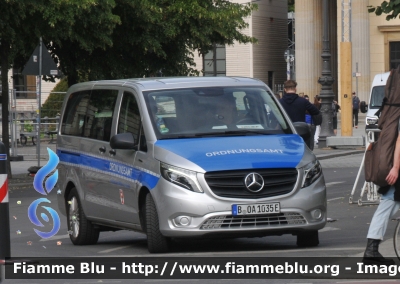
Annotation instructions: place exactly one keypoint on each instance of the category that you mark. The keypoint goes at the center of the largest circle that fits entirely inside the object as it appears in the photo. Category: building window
(25, 85)
(214, 62)
(394, 54)
(271, 79)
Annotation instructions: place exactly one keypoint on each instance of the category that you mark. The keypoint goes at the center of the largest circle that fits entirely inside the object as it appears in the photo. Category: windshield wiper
(233, 132)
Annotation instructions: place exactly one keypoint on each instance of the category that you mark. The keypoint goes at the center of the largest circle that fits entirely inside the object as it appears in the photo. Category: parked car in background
(375, 102)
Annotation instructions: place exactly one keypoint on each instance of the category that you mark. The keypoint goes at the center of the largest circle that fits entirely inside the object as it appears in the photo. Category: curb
(336, 155)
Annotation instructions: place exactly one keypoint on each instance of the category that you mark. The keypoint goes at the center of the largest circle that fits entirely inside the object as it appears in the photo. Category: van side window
(99, 114)
(129, 116)
(75, 112)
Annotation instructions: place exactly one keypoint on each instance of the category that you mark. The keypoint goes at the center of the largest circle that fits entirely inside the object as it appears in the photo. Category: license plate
(255, 209)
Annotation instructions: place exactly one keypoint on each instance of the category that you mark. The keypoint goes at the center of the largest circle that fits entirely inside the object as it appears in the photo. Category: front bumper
(209, 215)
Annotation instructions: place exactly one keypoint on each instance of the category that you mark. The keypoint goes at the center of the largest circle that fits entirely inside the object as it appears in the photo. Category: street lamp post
(326, 80)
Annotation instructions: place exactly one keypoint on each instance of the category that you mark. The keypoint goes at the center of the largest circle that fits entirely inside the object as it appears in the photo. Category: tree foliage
(108, 39)
(154, 36)
(290, 5)
(391, 8)
(23, 22)
(52, 107)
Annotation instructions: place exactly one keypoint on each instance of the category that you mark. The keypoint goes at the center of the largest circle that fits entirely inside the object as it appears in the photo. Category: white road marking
(59, 237)
(113, 249)
(175, 280)
(326, 229)
(328, 184)
(335, 198)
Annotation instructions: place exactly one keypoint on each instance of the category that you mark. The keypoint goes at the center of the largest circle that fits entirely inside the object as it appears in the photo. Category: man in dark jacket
(294, 105)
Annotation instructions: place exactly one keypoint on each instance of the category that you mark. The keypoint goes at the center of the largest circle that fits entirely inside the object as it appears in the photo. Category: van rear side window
(75, 112)
(89, 114)
(129, 117)
(99, 114)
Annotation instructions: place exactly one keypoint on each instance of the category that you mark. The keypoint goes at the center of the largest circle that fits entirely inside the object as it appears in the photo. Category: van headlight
(372, 120)
(312, 172)
(181, 177)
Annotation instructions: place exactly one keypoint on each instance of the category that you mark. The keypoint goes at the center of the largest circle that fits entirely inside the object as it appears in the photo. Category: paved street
(344, 236)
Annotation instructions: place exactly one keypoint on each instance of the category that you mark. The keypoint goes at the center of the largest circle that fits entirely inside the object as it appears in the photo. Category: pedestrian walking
(336, 108)
(317, 104)
(296, 106)
(356, 108)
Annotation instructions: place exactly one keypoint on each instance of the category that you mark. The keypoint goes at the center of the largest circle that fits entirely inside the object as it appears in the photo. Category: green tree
(108, 39)
(290, 5)
(53, 104)
(155, 35)
(391, 8)
(23, 22)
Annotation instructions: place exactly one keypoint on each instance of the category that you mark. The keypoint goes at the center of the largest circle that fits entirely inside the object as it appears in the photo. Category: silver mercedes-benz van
(186, 157)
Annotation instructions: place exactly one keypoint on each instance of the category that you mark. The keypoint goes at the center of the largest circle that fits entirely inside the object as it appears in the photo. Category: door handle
(112, 152)
(102, 150)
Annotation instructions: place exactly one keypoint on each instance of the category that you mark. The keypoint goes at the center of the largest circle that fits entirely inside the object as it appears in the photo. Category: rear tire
(81, 230)
(23, 140)
(156, 242)
(308, 239)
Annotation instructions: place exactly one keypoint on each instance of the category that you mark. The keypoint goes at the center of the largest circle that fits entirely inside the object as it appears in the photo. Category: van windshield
(215, 111)
(377, 95)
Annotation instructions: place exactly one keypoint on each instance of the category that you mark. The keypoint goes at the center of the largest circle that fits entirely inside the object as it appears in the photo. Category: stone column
(361, 47)
(308, 46)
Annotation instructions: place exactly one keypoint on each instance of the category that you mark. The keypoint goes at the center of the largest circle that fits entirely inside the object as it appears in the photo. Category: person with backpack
(356, 108)
(296, 106)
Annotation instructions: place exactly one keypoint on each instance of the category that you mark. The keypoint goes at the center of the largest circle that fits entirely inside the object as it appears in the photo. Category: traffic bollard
(5, 250)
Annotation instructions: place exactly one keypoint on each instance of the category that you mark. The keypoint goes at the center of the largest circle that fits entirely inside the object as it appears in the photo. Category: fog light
(183, 220)
(316, 214)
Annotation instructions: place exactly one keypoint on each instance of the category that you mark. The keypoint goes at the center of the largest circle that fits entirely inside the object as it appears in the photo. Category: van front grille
(231, 184)
(257, 221)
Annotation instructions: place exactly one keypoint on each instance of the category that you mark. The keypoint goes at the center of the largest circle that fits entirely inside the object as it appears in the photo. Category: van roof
(380, 79)
(155, 83)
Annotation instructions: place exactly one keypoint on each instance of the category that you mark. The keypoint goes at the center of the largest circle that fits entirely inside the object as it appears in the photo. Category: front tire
(23, 140)
(308, 239)
(156, 242)
(81, 231)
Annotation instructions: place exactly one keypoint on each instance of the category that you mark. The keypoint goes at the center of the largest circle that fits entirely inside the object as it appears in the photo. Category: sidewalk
(328, 153)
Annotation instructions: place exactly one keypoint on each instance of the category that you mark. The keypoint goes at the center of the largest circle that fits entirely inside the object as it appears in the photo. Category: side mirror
(123, 141)
(304, 131)
(363, 107)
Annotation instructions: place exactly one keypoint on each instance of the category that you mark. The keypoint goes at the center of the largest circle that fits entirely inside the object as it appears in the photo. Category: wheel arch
(141, 202)
(70, 185)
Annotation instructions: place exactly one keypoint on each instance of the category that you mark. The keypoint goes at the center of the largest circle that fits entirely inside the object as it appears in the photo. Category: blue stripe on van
(112, 167)
(238, 152)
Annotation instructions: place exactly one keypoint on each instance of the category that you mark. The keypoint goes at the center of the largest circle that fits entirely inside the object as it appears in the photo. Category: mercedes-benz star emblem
(254, 182)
